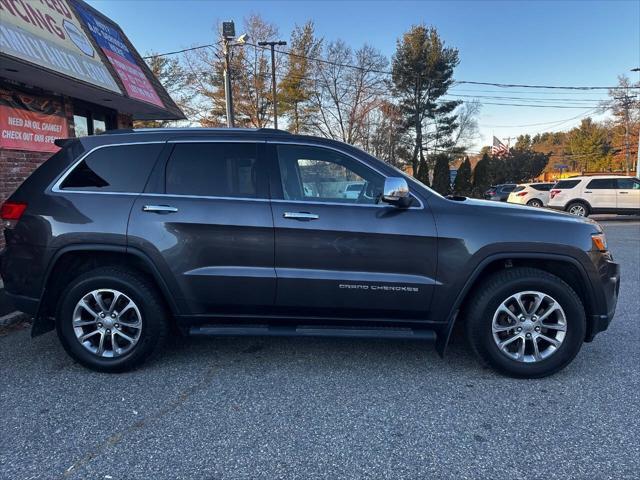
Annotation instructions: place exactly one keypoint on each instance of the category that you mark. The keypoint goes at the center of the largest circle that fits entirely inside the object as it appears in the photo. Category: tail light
(521, 194)
(11, 212)
(554, 192)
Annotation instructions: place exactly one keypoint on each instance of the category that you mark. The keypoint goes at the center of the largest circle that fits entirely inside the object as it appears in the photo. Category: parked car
(499, 193)
(585, 195)
(532, 194)
(122, 239)
(352, 190)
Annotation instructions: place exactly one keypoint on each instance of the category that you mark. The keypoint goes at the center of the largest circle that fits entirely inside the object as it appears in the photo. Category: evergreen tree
(462, 185)
(296, 87)
(422, 73)
(441, 177)
(482, 175)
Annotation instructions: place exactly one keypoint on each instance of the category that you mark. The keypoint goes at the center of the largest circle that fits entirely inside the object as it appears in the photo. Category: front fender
(482, 260)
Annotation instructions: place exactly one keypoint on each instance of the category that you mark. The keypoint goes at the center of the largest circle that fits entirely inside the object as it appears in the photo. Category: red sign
(133, 78)
(30, 123)
(116, 49)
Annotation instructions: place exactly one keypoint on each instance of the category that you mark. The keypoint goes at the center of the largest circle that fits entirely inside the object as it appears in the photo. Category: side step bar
(314, 331)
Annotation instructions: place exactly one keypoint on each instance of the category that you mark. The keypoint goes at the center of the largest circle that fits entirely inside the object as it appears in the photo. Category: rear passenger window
(213, 170)
(116, 168)
(602, 183)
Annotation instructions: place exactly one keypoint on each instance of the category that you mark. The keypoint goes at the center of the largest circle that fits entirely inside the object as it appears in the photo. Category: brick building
(66, 70)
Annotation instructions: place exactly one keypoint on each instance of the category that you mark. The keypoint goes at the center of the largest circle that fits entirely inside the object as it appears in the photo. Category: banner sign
(108, 37)
(30, 123)
(47, 33)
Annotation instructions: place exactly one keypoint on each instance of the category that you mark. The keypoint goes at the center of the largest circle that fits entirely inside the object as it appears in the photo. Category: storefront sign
(47, 33)
(30, 123)
(108, 37)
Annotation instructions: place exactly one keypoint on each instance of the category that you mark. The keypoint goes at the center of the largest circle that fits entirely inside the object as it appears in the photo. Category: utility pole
(638, 159)
(273, 77)
(228, 41)
(228, 94)
(626, 102)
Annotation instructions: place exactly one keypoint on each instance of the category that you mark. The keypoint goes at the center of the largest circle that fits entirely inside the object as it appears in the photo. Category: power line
(178, 51)
(499, 97)
(388, 72)
(586, 112)
(518, 85)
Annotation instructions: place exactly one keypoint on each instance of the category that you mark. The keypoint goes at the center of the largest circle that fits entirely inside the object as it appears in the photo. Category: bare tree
(250, 78)
(348, 87)
(467, 132)
(176, 80)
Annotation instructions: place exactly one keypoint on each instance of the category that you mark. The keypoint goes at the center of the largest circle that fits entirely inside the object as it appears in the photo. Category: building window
(91, 121)
(81, 125)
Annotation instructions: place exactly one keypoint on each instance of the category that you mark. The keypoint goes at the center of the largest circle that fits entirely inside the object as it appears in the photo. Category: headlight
(599, 241)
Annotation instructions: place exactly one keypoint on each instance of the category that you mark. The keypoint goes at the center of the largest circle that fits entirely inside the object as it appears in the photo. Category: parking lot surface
(271, 408)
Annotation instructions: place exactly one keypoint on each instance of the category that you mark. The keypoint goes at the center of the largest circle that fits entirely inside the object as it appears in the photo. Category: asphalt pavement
(251, 408)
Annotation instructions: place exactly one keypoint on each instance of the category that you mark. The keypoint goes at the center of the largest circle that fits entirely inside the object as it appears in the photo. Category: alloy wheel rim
(107, 323)
(577, 210)
(529, 326)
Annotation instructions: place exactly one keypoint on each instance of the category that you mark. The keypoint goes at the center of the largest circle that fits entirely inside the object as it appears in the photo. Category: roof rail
(193, 129)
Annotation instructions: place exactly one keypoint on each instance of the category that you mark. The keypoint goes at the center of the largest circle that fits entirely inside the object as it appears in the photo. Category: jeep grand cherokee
(121, 239)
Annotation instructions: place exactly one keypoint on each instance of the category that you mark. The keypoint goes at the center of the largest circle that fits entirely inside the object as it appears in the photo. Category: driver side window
(322, 175)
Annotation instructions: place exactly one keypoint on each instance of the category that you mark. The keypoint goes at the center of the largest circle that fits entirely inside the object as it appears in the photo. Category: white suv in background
(532, 194)
(583, 196)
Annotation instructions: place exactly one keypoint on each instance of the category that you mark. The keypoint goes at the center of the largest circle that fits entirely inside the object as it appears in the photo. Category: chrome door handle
(625, 193)
(301, 215)
(159, 209)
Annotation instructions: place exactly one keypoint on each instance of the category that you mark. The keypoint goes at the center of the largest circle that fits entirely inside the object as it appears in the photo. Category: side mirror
(396, 192)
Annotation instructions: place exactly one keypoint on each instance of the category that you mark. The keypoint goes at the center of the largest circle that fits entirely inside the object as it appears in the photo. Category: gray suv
(122, 239)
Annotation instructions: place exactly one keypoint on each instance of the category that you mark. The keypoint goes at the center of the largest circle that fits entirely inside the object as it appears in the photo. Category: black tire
(139, 289)
(574, 207)
(499, 287)
(535, 203)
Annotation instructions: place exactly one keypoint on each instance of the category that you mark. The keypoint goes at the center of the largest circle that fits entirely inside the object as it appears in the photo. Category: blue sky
(535, 42)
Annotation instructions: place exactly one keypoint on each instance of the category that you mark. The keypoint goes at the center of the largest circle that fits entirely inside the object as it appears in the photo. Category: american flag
(498, 148)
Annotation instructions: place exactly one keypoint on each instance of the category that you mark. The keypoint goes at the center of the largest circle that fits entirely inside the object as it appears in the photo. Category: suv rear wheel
(111, 319)
(579, 209)
(526, 323)
(534, 203)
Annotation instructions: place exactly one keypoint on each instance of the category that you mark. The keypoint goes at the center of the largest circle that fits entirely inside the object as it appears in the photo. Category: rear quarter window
(566, 184)
(115, 168)
(543, 187)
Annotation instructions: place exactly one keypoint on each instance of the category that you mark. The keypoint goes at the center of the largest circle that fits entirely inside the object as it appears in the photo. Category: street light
(228, 35)
(273, 77)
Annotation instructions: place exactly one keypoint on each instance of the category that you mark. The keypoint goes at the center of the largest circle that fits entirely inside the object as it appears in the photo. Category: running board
(314, 331)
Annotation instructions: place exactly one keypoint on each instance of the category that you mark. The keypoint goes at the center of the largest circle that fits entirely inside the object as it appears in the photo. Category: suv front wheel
(111, 319)
(526, 322)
